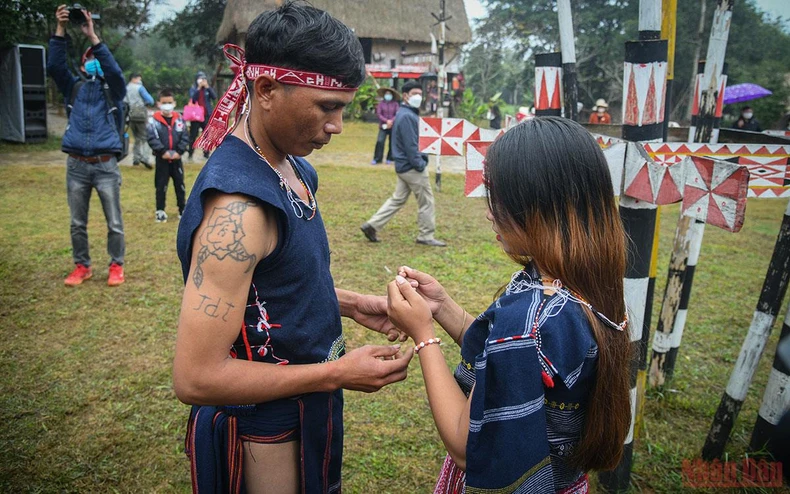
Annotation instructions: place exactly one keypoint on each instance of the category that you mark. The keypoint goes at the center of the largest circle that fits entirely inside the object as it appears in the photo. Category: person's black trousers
(165, 169)
(194, 129)
(379, 152)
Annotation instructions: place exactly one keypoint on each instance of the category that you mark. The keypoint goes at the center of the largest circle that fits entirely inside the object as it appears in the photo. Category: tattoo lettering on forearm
(213, 309)
(222, 238)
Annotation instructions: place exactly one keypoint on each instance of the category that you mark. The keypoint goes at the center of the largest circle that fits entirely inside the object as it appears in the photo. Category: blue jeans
(81, 179)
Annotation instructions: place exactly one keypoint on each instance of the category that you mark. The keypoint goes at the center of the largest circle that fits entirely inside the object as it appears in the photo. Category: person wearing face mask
(93, 143)
(169, 139)
(600, 115)
(138, 99)
(204, 95)
(385, 111)
(747, 121)
(411, 167)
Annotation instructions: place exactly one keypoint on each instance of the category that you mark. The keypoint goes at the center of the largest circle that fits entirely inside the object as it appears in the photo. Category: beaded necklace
(557, 286)
(295, 200)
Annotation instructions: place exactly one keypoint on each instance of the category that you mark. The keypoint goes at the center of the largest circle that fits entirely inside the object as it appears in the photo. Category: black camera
(77, 17)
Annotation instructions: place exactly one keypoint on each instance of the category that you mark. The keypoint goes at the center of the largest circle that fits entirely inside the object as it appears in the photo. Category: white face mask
(748, 115)
(415, 100)
(167, 107)
(387, 97)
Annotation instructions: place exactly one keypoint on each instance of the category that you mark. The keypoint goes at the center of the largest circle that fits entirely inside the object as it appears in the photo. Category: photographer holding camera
(92, 140)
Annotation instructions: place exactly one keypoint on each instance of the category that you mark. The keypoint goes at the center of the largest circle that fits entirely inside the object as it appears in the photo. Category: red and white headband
(234, 97)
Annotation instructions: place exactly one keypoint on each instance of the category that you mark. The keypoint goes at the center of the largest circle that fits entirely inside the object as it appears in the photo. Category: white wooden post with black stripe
(708, 104)
(643, 115)
(776, 401)
(768, 305)
(568, 49)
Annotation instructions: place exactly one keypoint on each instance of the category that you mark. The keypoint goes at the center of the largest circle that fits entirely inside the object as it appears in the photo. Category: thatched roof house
(392, 32)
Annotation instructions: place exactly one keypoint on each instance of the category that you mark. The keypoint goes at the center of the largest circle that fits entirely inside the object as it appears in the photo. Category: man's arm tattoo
(213, 308)
(222, 238)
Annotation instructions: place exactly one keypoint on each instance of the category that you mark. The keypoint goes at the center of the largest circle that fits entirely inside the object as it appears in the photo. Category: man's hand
(371, 312)
(62, 16)
(87, 28)
(370, 367)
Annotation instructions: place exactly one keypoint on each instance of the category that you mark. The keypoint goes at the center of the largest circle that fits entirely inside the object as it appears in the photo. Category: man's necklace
(295, 200)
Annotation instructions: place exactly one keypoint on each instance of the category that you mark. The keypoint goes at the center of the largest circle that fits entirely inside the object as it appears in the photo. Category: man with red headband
(93, 143)
(260, 351)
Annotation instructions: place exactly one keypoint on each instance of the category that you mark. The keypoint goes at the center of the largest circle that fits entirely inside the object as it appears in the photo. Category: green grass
(51, 144)
(86, 403)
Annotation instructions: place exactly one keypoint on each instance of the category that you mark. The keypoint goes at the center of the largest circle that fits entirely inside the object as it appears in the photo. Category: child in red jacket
(169, 139)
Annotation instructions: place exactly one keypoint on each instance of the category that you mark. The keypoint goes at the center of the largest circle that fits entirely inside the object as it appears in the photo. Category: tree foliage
(196, 28)
(515, 30)
(32, 21)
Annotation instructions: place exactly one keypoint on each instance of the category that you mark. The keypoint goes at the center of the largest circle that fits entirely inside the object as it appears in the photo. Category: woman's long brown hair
(551, 195)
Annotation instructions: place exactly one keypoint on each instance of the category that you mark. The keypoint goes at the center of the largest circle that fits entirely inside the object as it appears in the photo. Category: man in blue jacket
(93, 143)
(411, 167)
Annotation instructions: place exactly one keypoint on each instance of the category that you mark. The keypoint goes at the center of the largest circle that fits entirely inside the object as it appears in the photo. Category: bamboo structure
(776, 401)
(643, 115)
(689, 233)
(568, 48)
(768, 304)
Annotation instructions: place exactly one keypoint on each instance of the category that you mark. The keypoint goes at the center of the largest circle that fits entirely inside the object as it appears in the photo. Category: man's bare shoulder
(235, 234)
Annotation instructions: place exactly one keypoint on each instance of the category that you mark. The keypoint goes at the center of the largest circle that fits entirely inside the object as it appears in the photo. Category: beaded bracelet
(423, 344)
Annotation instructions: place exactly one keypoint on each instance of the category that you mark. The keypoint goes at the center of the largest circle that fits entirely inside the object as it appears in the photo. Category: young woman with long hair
(541, 395)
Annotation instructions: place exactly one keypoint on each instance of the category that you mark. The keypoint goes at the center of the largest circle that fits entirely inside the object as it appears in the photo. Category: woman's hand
(427, 286)
(409, 311)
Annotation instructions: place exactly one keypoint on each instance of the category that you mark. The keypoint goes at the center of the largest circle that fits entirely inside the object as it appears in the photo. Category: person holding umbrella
(747, 121)
(385, 111)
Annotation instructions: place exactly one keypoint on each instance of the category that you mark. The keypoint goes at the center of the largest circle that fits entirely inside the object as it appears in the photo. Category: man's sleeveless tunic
(292, 317)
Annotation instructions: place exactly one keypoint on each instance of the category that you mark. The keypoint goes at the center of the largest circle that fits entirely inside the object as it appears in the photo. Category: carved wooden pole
(776, 401)
(771, 296)
(442, 83)
(548, 84)
(689, 234)
(571, 90)
(644, 80)
(669, 10)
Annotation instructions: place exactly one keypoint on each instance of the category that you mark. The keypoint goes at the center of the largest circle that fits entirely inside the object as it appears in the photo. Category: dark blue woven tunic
(521, 433)
(292, 315)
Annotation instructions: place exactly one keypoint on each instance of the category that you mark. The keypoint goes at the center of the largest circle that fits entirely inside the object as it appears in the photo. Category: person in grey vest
(138, 99)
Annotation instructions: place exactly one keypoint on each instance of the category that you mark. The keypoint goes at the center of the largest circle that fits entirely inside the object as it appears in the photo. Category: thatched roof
(402, 20)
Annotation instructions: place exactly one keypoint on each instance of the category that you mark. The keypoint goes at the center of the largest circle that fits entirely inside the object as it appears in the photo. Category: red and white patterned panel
(446, 136)
(644, 93)
(475, 160)
(715, 192)
(548, 88)
(767, 164)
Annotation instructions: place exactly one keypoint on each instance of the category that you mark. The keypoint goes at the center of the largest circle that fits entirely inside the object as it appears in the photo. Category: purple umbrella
(744, 92)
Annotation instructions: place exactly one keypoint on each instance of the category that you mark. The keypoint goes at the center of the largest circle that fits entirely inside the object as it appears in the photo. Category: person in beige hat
(385, 111)
(601, 115)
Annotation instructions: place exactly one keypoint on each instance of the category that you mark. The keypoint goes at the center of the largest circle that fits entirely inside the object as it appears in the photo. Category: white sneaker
(161, 216)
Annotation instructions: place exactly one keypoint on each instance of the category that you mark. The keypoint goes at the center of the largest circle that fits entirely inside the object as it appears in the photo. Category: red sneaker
(116, 275)
(80, 274)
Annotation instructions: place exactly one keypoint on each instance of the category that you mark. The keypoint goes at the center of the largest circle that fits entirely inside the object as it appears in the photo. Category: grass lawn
(86, 402)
